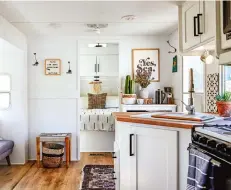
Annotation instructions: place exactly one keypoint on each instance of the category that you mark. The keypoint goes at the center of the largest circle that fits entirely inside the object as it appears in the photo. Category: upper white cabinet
(196, 23)
(108, 65)
(99, 61)
(87, 66)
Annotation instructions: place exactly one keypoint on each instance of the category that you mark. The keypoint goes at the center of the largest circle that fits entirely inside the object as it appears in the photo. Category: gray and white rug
(98, 177)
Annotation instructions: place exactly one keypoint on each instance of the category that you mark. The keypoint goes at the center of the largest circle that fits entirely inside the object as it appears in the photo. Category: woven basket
(52, 155)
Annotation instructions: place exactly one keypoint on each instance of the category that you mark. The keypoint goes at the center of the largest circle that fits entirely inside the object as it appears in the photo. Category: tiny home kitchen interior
(203, 130)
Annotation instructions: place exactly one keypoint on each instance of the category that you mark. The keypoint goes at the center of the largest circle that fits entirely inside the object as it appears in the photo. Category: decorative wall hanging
(212, 90)
(69, 70)
(174, 51)
(36, 61)
(174, 64)
(52, 67)
(147, 59)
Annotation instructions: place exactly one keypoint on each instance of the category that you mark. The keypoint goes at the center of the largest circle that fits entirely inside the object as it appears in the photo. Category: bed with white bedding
(97, 119)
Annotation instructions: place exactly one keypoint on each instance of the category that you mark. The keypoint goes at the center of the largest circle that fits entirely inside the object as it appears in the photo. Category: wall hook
(69, 70)
(36, 61)
(171, 47)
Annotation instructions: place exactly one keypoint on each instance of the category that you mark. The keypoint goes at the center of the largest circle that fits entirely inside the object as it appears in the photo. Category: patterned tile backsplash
(212, 89)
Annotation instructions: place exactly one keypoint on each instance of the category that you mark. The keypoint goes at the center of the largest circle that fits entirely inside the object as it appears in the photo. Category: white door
(87, 65)
(108, 65)
(190, 24)
(124, 154)
(156, 159)
(207, 19)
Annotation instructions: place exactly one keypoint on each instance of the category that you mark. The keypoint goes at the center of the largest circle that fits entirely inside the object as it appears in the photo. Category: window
(195, 63)
(226, 78)
(5, 90)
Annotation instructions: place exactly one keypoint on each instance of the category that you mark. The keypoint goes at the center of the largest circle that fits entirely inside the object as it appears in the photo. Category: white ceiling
(34, 17)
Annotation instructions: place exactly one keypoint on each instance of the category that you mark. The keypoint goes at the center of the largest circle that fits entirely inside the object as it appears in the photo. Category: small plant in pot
(224, 104)
(143, 79)
(129, 97)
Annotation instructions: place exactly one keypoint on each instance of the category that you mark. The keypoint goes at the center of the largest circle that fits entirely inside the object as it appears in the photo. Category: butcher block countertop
(126, 117)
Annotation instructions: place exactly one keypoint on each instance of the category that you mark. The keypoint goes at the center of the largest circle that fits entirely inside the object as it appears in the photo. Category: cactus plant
(129, 85)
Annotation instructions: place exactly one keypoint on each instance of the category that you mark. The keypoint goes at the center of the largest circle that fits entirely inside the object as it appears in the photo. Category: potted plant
(224, 104)
(129, 97)
(143, 79)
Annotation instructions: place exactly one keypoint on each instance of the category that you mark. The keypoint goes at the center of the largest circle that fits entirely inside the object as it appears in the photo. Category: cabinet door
(156, 159)
(124, 160)
(87, 65)
(189, 24)
(108, 65)
(207, 20)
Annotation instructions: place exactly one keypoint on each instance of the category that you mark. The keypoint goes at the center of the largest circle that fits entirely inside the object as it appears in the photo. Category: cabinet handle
(113, 155)
(195, 23)
(95, 68)
(98, 67)
(131, 153)
(199, 24)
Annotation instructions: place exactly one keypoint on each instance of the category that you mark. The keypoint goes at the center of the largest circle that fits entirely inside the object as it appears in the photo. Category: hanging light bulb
(207, 58)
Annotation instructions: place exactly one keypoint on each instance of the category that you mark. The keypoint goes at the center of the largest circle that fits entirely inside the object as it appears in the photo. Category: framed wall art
(174, 64)
(52, 67)
(146, 59)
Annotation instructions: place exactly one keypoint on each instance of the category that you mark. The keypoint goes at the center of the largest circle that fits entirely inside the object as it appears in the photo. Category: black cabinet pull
(113, 155)
(131, 154)
(195, 23)
(199, 25)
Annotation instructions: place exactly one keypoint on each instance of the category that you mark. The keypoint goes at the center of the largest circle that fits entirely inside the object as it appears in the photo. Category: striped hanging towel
(198, 170)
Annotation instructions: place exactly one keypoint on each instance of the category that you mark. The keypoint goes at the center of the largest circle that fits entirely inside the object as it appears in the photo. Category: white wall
(14, 121)
(53, 101)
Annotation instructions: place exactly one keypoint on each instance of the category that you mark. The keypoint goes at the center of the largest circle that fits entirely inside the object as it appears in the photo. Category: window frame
(7, 92)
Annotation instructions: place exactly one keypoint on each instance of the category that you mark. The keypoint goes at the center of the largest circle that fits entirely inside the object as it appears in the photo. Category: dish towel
(199, 171)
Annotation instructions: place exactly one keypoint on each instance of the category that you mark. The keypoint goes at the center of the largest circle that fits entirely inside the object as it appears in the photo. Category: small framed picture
(52, 67)
(174, 64)
(146, 59)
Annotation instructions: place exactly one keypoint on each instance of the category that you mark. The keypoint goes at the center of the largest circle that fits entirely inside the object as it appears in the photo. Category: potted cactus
(129, 97)
(224, 104)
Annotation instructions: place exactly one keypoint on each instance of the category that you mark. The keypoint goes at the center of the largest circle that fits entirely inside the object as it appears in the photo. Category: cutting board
(183, 116)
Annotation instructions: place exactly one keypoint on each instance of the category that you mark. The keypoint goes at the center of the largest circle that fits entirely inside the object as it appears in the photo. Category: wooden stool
(54, 137)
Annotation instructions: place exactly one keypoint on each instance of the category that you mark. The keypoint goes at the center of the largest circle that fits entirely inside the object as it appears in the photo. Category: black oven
(220, 152)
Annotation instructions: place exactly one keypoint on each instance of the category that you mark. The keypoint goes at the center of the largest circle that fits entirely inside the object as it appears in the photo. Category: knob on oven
(212, 143)
(195, 136)
(203, 140)
(221, 147)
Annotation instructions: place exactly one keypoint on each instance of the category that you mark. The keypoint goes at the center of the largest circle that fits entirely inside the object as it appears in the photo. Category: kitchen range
(214, 140)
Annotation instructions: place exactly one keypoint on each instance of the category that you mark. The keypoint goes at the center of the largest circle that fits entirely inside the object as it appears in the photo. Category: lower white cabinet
(147, 158)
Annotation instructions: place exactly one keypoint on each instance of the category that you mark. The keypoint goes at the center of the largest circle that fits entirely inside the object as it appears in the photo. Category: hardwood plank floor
(29, 176)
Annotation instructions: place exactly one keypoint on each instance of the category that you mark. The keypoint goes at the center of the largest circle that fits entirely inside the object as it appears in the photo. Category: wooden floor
(29, 176)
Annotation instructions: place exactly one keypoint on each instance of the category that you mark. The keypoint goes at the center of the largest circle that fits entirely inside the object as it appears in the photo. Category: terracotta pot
(224, 108)
(129, 99)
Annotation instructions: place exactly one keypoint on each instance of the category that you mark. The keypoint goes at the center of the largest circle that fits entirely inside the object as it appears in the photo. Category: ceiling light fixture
(128, 17)
(97, 45)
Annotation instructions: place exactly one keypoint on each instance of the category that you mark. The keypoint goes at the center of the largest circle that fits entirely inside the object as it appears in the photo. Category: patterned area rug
(98, 177)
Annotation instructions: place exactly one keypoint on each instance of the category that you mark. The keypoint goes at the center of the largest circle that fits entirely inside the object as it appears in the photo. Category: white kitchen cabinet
(101, 65)
(108, 65)
(87, 65)
(208, 24)
(148, 158)
(197, 23)
(189, 24)
(154, 160)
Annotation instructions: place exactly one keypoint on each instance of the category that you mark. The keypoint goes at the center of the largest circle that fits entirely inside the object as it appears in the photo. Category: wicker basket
(52, 155)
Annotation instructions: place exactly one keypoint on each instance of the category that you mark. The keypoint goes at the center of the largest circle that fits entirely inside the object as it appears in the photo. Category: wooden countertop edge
(125, 117)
